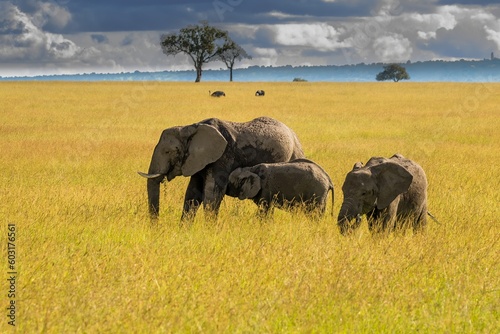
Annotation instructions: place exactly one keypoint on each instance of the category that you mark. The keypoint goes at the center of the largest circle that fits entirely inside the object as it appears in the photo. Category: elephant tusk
(149, 176)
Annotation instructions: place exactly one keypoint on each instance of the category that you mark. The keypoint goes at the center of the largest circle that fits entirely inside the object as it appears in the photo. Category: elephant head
(243, 184)
(181, 151)
(368, 188)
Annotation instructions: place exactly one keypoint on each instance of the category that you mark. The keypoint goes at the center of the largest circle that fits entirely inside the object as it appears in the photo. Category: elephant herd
(263, 160)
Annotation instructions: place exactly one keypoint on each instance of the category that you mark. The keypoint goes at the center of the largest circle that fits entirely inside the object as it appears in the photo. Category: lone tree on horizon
(202, 43)
(235, 52)
(393, 72)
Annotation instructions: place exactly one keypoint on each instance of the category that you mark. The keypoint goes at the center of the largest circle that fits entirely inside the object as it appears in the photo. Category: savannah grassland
(89, 261)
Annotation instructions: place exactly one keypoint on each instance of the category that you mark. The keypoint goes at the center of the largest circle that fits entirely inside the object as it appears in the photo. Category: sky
(109, 36)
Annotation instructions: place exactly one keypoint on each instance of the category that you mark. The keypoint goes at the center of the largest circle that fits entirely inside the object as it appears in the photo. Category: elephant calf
(284, 185)
(389, 191)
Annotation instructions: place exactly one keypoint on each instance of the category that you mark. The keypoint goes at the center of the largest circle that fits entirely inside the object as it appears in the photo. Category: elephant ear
(234, 176)
(392, 180)
(357, 165)
(249, 185)
(205, 145)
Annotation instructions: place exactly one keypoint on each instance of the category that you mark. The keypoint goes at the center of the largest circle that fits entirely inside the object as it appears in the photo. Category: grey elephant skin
(390, 192)
(298, 183)
(209, 151)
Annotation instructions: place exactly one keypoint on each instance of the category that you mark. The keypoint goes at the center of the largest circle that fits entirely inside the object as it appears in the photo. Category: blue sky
(77, 36)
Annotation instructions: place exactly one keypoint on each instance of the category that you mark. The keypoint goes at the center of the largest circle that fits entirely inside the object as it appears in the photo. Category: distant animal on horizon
(217, 93)
(260, 92)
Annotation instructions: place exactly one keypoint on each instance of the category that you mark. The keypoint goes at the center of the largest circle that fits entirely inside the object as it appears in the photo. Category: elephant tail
(333, 198)
(433, 217)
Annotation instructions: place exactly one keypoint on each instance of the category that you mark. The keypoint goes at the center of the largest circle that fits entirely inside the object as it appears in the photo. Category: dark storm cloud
(117, 16)
(128, 40)
(92, 16)
(257, 11)
(10, 27)
(155, 15)
(99, 38)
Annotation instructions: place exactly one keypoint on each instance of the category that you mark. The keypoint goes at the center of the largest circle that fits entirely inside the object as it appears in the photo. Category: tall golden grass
(89, 260)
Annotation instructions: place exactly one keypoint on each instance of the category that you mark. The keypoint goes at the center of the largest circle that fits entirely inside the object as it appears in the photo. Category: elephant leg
(374, 221)
(214, 190)
(314, 209)
(193, 197)
(212, 207)
(390, 217)
(264, 209)
(389, 221)
(420, 221)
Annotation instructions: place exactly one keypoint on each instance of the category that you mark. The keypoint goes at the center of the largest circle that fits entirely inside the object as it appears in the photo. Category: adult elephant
(209, 151)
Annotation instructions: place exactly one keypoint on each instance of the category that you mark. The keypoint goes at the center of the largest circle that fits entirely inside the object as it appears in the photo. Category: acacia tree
(393, 72)
(233, 53)
(202, 43)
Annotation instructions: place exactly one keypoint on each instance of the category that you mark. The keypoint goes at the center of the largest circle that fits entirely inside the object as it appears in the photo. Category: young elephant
(284, 185)
(389, 191)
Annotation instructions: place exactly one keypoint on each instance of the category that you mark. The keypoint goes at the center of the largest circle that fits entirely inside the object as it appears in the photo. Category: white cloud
(49, 13)
(442, 19)
(390, 8)
(447, 31)
(265, 52)
(426, 35)
(393, 48)
(483, 16)
(24, 41)
(27, 49)
(264, 56)
(320, 36)
(281, 15)
(493, 35)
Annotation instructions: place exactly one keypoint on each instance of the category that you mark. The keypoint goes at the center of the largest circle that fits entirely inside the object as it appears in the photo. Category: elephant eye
(170, 151)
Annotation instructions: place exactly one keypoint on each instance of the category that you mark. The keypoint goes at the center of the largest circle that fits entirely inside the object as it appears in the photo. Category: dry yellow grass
(89, 261)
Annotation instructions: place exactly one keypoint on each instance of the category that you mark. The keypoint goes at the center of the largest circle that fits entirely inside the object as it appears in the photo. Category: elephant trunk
(153, 187)
(154, 197)
(346, 215)
(154, 177)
